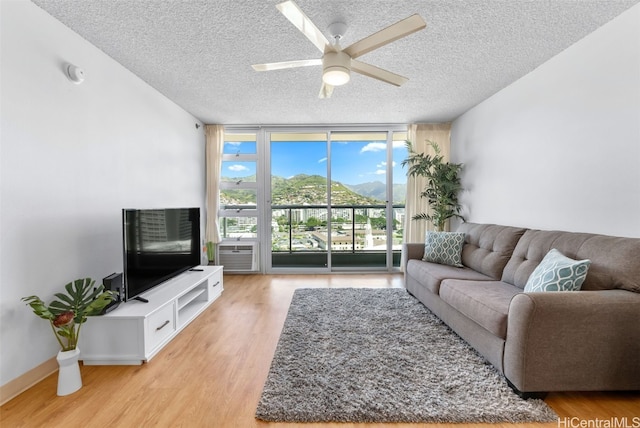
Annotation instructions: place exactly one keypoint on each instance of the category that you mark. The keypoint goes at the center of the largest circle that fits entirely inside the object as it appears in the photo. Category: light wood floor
(211, 375)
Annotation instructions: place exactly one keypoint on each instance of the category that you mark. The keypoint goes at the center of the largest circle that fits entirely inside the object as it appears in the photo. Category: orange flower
(63, 319)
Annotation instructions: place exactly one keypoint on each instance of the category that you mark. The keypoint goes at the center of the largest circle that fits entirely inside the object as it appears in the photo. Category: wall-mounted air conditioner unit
(238, 256)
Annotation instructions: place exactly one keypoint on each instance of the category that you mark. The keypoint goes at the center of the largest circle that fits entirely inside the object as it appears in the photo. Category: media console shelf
(134, 332)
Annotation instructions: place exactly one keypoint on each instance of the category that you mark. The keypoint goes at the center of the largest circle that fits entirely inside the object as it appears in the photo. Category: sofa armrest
(573, 341)
(413, 251)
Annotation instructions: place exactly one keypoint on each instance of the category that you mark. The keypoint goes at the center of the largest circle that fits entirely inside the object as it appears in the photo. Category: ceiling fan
(337, 63)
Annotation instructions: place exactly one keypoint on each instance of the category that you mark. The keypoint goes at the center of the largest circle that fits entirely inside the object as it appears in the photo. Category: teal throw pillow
(557, 272)
(444, 248)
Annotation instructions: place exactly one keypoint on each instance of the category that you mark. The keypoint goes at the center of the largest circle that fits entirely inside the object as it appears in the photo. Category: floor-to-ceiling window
(326, 199)
(239, 187)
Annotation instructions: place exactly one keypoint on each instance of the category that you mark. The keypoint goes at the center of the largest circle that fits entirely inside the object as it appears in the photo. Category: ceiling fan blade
(325, 91)
(286, 64)
(302, 22)
(390, 34)
(377, 73)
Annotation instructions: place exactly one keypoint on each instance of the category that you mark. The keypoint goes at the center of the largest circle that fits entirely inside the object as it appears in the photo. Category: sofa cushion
(614, 263)
(557, 272)
(443, 248)
(431, 274)
(488, 247)
(485, 302)
(614, 260)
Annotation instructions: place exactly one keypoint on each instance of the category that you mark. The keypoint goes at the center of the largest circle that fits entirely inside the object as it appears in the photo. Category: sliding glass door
(359, 200)
(336, 199)
(299, 200)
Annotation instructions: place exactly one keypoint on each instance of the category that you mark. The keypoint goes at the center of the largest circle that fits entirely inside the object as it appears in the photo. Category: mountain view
(298, 166)
(377, 190)
(305, 189)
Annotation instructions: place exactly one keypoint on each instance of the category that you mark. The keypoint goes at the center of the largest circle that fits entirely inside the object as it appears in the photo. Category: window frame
(262, 160)
(231, 211)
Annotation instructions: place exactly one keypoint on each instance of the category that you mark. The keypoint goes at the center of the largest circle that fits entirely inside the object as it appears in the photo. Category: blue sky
(353, 162)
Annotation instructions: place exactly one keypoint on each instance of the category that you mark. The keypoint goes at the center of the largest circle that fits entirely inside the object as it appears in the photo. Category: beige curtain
(415, 230)
(213, 153)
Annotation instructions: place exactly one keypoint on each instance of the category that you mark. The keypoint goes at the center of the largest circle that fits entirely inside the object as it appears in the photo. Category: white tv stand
(134, 332)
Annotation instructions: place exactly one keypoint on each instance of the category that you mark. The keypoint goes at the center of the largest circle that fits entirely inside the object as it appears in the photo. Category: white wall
(560, 148)
(72, 156)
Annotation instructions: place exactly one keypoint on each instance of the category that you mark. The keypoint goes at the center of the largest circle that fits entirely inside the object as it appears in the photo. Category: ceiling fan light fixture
(336, 76)
(337, 63)
(336, 70)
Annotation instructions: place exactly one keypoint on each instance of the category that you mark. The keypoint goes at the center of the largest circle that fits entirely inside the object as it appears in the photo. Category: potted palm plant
(66, 315)
(211, 252)
(443, 184)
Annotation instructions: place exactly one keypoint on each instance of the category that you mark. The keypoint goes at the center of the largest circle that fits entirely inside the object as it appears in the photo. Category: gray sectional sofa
(587, 340)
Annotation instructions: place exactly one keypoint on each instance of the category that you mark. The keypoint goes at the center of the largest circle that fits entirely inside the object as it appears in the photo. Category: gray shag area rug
(379, 355)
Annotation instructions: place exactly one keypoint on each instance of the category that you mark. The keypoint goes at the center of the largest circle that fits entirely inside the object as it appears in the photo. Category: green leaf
(65, 299)
(94, 295)
(69, 288)
(39, 308)
(96, 306)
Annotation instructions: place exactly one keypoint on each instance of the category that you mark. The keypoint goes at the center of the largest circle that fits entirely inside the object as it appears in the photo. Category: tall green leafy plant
(67, 314)
(443, 184)
(211, 251)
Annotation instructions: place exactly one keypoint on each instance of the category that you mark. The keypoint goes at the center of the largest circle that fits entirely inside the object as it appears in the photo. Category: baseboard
(20, 384)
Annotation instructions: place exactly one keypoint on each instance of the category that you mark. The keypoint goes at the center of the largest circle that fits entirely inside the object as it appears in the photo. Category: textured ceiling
(199, 53)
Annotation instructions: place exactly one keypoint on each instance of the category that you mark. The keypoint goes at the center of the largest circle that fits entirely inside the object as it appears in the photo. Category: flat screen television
(158, 245)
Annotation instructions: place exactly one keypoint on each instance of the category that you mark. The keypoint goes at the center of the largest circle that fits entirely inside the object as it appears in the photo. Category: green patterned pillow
(444, 248)
(557, 272)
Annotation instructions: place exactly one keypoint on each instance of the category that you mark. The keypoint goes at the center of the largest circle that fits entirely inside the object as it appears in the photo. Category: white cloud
(381, 172)
(383, 164)
(322, 160)
(233, 143)
(374, 147)
(378, 147)
(237, 168)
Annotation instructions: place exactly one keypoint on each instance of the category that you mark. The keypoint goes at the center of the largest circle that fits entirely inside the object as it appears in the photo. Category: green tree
(443, 184)
(361, 218)
(312, 222)
(378, 223)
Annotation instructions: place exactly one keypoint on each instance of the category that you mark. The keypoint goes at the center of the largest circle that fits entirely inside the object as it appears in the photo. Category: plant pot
(69, 380)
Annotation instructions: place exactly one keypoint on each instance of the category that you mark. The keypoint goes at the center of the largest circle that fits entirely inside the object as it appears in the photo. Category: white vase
(69, 380)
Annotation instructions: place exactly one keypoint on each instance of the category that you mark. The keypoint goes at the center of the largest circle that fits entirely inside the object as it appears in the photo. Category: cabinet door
(160, 326)
(106, 340)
